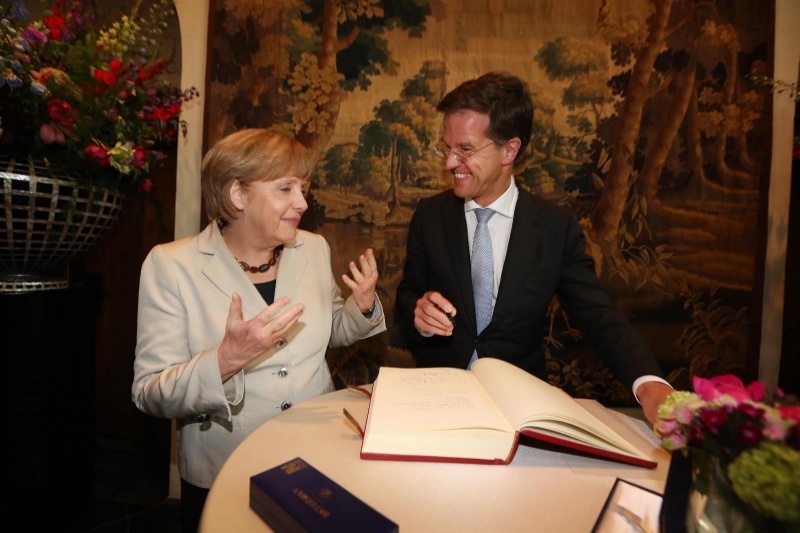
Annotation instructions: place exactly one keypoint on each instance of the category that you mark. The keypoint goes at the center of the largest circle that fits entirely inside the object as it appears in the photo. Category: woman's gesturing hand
(246, 340)
(365, 277)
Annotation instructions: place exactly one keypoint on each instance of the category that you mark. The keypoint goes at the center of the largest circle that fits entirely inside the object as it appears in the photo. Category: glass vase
(715, 508)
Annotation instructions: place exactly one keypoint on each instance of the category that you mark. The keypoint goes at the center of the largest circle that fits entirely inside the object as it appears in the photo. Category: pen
(452, 316)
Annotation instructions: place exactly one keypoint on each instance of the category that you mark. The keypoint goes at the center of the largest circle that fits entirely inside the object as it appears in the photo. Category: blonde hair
(248, 156)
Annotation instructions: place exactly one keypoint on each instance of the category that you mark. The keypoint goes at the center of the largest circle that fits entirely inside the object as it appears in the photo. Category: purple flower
(696, 435)
(750, 409)
(713, 418)
(17, 10)
(750, 435)
(32, 35)
(77, 20)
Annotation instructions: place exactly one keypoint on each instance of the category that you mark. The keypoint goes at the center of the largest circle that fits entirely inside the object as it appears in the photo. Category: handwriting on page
(436, 391)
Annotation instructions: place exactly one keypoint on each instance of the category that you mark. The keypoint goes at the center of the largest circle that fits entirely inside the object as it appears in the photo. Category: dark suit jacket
(546, 257)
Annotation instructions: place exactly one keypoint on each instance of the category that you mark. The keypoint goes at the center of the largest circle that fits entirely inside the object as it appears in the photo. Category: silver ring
(280, 343)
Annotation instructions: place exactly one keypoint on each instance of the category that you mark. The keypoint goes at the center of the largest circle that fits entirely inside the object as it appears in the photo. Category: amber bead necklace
(276, 253)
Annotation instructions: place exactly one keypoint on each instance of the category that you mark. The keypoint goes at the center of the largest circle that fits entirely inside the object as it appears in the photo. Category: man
(528, 250)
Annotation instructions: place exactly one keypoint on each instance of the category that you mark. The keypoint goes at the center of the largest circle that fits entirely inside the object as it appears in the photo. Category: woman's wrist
(368, 313)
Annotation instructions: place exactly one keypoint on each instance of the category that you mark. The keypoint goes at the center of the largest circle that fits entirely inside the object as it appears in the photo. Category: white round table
(543, 489)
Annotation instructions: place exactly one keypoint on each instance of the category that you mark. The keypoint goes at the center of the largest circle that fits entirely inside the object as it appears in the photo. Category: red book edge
(614, 456)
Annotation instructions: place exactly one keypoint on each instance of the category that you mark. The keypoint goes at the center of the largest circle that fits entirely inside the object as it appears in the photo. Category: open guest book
(477, 415)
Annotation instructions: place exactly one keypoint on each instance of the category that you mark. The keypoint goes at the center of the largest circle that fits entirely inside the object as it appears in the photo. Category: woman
(234, 322)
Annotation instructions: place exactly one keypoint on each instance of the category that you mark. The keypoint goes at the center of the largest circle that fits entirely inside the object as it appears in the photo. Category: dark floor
(130, 493)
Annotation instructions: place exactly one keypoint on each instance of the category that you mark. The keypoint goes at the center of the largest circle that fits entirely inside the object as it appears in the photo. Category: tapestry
(650, 124)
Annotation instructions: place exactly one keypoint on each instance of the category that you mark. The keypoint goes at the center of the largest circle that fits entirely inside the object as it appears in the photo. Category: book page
(423, 399)
(527, 401)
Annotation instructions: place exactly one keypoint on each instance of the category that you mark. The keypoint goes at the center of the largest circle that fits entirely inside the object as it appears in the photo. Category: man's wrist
(646, 379)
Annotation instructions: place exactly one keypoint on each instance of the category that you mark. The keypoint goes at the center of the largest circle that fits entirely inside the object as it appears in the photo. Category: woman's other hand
(246, 340)
(365, 277)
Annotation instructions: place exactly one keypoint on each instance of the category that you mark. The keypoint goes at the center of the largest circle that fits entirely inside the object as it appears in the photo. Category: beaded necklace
(276, 253)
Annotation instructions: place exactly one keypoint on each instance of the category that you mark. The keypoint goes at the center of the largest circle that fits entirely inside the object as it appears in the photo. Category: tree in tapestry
(648, 125)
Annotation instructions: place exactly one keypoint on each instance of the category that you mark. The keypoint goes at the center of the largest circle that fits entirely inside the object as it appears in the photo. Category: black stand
(50, 343)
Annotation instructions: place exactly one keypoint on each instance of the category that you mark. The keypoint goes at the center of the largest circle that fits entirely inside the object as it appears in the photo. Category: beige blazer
(185, 292)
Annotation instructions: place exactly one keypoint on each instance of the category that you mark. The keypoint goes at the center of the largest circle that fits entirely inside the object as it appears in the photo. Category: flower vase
(713, 505)
(47, 219)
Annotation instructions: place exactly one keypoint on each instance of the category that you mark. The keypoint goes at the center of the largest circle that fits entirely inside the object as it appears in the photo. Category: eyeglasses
(460, 155)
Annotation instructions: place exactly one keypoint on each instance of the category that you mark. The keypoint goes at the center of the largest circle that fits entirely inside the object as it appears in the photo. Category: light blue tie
(482, 272)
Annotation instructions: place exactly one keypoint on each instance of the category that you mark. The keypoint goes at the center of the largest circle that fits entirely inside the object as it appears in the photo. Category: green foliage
(714, 333)
(368, 54)
(640, 265)
(586, 377)
(766, 478)
(336, 165)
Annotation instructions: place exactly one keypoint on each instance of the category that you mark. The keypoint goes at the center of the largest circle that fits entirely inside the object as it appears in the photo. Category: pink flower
(52, 134)
(711, 389)
(674, 441)
(146, 185)
(664, 428)
(98, 154)
(684, 414)
(774, 427)
(757, 391)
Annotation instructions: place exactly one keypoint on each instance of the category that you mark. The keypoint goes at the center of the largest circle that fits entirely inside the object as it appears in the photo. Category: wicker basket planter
(46, 221)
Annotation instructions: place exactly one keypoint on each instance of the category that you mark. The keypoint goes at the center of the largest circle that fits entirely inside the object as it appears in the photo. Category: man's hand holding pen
(434, 315)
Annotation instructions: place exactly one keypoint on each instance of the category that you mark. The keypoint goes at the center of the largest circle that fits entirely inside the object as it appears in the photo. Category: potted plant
(745, 448)
(84, 116)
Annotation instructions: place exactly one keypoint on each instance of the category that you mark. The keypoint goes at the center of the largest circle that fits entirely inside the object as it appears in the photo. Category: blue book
(296, 497)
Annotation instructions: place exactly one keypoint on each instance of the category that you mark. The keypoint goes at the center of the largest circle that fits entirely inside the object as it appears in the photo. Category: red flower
(105, 77)
(165, 113)
(713, 418)
(55, 24)
(139, 159)
(696, 435)
(146, 185)
(790, 412)
(116, 66)
(41, 77)
(60, 111)
(98, 154)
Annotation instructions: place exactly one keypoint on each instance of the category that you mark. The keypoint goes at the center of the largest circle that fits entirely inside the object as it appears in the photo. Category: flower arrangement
(88, 98)
(752, 435)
